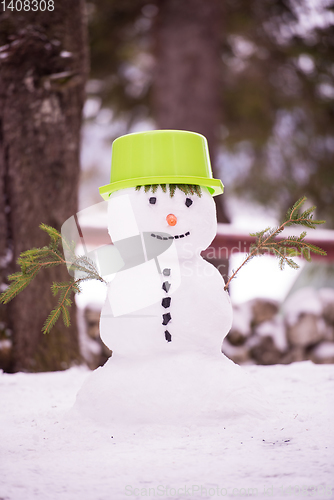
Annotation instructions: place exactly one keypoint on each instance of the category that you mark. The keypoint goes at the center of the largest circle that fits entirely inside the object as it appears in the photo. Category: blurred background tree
(43, 60)
(254, 76)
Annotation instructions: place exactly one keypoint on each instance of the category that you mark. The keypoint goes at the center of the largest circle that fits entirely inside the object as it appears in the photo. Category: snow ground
(48, 454)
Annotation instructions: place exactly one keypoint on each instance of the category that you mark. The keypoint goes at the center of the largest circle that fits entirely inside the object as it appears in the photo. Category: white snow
(304, 300)
(324, 350)
(326, 295)
(242, 317)
(48, 453)
(275, 328)
(93, 294)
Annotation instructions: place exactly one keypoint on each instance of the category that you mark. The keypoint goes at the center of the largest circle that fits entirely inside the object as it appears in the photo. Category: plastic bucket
(161, 157)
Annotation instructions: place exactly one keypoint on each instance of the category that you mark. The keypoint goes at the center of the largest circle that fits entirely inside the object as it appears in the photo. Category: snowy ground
(47, 454)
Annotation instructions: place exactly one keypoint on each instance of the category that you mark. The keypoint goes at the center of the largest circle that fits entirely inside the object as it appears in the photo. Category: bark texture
(187, 79)
(43, 70)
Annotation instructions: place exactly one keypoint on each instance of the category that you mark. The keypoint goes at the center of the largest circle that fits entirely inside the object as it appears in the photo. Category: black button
(152, 200)
(166, 302)
(166, 286)
(166, 318)
(168, 336)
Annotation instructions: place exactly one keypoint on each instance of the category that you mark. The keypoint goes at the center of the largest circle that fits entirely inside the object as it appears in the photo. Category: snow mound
(171, 390)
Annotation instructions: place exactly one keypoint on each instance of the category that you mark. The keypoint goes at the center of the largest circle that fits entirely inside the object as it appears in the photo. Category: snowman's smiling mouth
(176, 237)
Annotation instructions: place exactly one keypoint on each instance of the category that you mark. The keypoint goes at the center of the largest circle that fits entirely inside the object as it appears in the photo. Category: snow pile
(171, 389)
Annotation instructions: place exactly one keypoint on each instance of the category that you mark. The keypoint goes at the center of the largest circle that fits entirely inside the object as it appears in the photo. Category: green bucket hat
(161, 157)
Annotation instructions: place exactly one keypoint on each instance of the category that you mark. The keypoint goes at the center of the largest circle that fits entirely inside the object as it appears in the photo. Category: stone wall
(266, 332)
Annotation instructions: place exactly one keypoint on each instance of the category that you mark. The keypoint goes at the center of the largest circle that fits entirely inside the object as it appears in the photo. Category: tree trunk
(187, 81)
(43, 71)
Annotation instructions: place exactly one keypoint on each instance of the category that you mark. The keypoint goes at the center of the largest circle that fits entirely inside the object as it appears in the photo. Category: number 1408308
(27, 5)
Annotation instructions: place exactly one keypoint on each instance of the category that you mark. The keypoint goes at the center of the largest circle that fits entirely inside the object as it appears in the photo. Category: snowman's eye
(152, 200)
(188, 202)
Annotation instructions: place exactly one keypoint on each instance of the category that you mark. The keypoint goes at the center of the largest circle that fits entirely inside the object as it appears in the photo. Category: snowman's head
(190, 219)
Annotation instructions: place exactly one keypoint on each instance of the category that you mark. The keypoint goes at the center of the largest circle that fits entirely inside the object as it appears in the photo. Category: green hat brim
(215, 186)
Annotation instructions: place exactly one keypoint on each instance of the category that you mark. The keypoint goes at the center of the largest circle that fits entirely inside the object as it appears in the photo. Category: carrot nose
(171, 219)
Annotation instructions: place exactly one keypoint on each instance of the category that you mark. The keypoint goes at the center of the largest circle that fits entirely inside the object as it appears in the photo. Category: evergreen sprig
(34, 260)
(285, 249)
(185, 188)
(65, 290)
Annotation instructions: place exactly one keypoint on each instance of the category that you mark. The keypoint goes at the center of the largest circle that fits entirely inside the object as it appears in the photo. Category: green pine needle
(198, 190)
(51, 320)
(185, 188)
(172, 189)
(284, 249)
(65, 290)
(52, 232)
(34, 260)
(66, 316)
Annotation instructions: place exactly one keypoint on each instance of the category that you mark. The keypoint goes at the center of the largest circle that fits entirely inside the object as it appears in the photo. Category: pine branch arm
(34, 260)
(266, 239)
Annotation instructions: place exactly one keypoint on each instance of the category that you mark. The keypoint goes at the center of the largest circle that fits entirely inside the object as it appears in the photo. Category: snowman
(166, 312)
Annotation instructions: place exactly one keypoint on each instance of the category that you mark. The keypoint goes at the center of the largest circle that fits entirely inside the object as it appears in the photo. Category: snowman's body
(154, 376)
(187, 308)
(197, 319)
